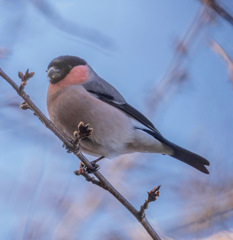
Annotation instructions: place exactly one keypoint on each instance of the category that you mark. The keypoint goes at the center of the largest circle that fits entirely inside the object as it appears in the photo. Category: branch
(102, 182)
(89, 178)
(213, 4)
(177, 72)
(152, 196)
(219, 50)
(203, 220)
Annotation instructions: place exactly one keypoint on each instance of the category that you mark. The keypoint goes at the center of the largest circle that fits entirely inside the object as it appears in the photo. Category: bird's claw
(95, 167)
(84, 168)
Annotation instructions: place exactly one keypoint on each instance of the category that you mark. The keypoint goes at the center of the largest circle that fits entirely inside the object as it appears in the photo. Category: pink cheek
(76, 76)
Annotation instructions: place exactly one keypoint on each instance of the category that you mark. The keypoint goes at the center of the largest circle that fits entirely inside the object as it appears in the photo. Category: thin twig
(104, 183)
(152, 196)
(215, 6)
(203, 220)
(177, 73)
(89, 178)
(219, 50)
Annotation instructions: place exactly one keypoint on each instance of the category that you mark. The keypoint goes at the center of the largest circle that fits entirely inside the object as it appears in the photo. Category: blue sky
(132, 48)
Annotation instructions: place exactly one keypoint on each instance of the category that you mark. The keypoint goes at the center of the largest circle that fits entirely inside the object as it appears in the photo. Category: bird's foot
(84, 168)
(97, 160)
(96, 166)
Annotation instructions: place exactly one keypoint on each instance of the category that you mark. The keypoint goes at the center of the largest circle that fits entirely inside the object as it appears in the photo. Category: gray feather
(107, 93)
(100, 88)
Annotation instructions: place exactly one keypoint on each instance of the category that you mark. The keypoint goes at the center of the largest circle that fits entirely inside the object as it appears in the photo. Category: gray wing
(107, 93)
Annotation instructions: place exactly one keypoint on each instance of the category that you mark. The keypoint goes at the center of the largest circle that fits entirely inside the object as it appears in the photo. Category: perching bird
(76, 93)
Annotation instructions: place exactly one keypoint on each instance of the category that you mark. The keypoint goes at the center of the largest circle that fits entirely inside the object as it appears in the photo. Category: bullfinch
(77, 94)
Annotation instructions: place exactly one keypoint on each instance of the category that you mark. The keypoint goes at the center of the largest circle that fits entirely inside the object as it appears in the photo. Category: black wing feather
(179, 153)
(132, 112)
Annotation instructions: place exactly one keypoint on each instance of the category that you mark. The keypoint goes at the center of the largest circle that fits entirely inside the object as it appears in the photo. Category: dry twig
(215, 6)
(177, 72)
(102, 182)
(152, 196)
(219, 50)
(24, 78)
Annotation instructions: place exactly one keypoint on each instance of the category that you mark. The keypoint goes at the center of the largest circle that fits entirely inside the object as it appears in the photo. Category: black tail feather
(182, 154)
(190, 158)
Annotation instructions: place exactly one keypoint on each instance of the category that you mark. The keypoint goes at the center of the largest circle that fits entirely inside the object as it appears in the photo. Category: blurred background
(170, 59)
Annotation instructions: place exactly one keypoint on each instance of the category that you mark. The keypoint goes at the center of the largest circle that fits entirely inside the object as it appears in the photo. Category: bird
(77, 94)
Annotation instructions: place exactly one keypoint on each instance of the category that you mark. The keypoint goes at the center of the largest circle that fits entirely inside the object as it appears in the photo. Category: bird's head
(62, 67)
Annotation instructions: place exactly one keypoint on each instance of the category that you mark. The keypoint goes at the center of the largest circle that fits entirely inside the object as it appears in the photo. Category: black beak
(54, 73)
